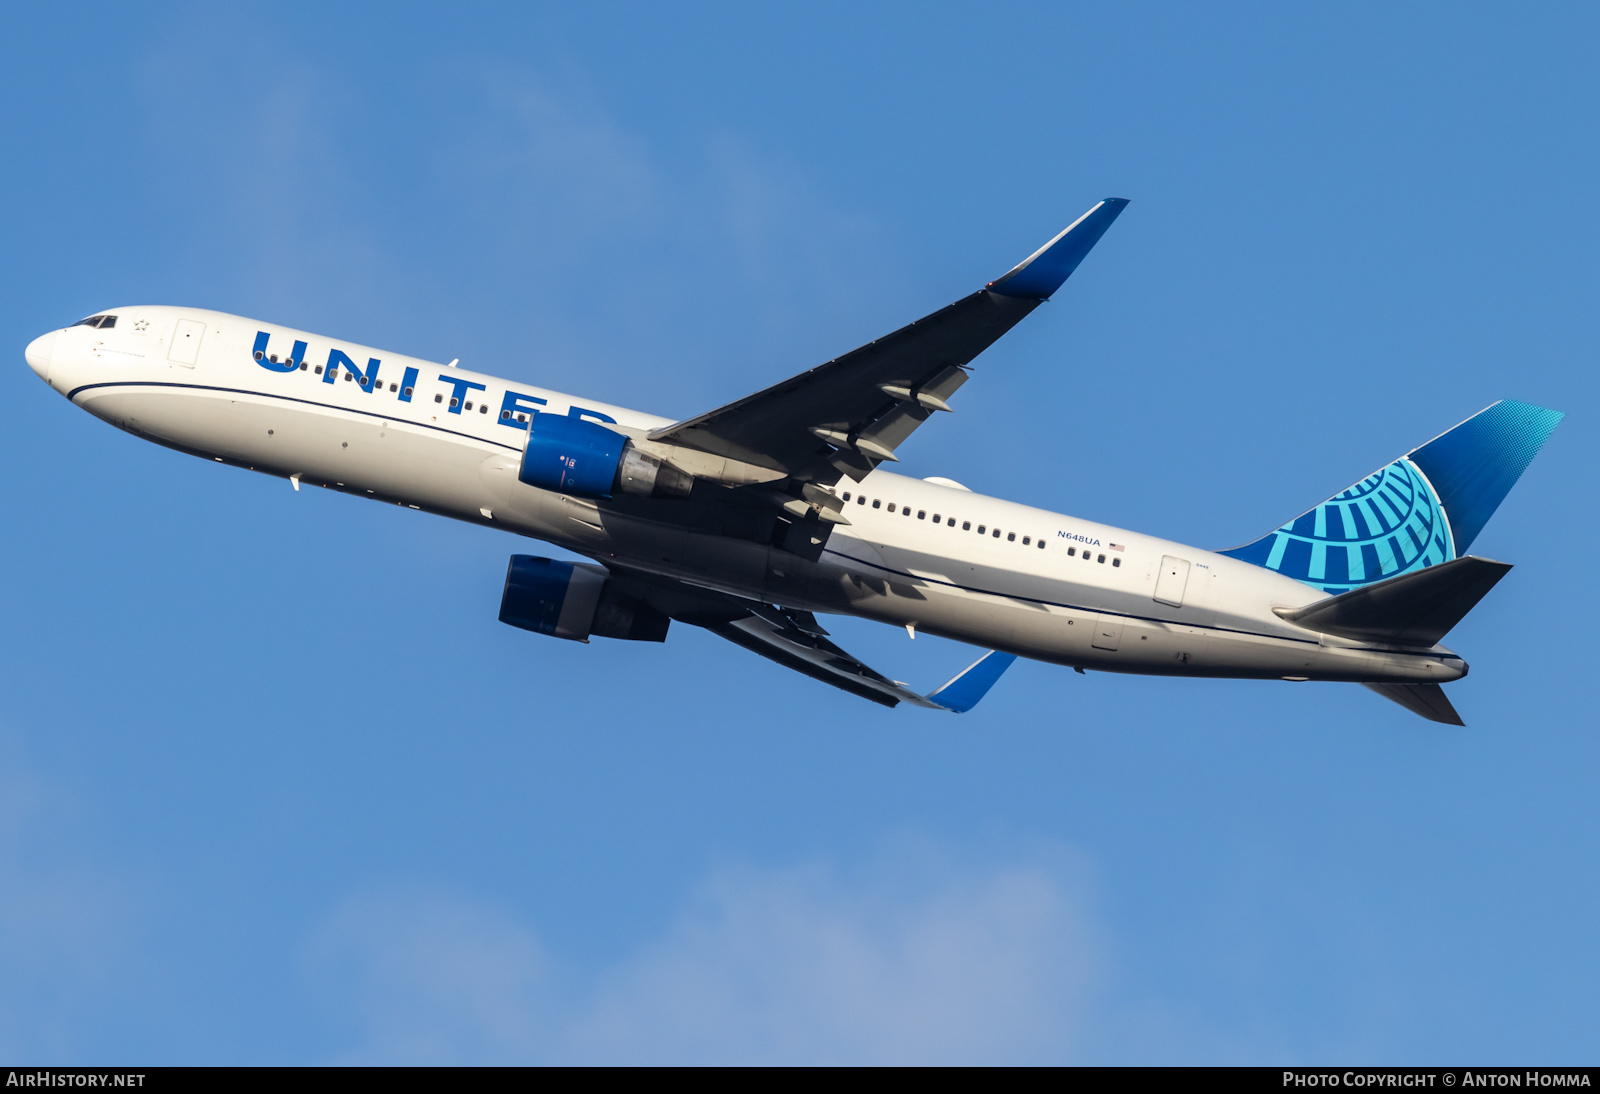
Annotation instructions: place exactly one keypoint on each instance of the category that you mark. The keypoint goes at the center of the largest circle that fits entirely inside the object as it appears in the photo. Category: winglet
(1045, 270)
(972, 683)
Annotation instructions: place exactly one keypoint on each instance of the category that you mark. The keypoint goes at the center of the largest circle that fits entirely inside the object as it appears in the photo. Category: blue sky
(276, 786)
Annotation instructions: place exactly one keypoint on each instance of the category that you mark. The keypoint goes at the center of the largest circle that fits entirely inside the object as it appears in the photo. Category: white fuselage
(1088, 597)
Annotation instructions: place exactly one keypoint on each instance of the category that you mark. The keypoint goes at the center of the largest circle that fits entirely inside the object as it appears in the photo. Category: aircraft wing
(795, 640)
(776, 637)
(848, 415)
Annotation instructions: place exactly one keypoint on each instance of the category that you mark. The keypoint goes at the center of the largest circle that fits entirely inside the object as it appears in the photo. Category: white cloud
(431, 978)
(917, 959)
(801, 966)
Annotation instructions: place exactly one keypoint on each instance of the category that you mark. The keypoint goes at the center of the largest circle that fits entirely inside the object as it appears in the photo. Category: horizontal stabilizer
(973, 682)
(1047, 269)
(1414, 609)
(1427, 700)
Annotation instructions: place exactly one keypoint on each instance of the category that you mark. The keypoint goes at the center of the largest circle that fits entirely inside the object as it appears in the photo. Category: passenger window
(273, 358)
(1026, 541)
(1102, 558)
(1011, 537)
(905, 510)
(1116, 562)
(876, 503)
(505, 415)
(846, 495)
(861, 499)
(951, 522)
(936, 518)
(438, 398)
(982, 531)
(997, 533)
(318, 370)
(454, 401)
(522, 417)
(303, 366)
(259, 355)
(966, 526)
(922, 514)
(1041, 545)
(891, 507)
(483, 408)
(469, 406)
(1071, 552)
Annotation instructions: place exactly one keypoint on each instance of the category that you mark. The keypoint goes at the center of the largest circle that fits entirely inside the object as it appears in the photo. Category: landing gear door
(186, 342)
(1171, 581)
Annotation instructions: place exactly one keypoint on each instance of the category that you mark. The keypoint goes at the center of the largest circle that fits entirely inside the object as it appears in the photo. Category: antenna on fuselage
(453, 363)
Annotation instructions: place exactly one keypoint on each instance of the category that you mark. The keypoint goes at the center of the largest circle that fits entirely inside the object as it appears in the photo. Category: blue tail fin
(1424, 508)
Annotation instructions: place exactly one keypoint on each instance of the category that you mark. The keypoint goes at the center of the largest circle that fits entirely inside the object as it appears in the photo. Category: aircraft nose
(38, 354)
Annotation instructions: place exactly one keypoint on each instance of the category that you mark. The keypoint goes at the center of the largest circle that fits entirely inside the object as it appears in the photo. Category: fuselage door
(186, 342)
(1172, 580)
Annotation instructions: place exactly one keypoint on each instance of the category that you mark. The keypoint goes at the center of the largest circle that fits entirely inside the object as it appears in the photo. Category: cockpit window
(104, 322)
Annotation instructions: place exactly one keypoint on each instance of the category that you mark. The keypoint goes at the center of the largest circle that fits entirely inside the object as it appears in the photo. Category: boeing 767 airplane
(752, 518)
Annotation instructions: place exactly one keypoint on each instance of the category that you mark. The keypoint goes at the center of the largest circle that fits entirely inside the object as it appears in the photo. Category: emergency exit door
(1172, 581)
(186, 342)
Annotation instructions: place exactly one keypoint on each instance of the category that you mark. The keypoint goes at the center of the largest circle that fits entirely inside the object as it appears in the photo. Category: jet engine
(587, 460)
(574, 600)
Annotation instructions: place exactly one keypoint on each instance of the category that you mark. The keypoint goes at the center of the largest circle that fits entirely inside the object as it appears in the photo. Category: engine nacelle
(574, 600)
(586, 460)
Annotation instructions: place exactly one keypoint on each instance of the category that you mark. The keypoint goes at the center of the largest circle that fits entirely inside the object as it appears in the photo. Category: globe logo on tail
(1389, 523)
